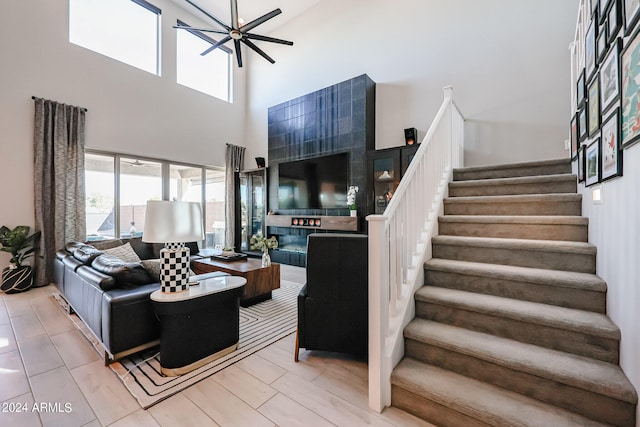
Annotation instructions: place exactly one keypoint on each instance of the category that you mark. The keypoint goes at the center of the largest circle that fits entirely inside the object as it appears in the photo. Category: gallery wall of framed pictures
(607, 118)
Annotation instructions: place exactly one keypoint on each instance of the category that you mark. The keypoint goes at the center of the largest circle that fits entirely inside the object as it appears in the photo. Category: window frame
(165, 178)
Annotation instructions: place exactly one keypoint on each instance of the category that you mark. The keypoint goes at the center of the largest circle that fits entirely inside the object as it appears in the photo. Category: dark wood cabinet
(386, 168)
(252, 209)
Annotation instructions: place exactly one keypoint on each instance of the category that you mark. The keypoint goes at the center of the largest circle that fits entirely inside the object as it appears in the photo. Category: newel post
(379, 378)
(448, 92)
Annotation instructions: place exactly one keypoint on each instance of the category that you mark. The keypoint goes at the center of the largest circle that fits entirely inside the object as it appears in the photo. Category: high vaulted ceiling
(250, 10)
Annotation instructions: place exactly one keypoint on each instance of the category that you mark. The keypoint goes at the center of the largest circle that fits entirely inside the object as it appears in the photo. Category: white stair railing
(400, 243)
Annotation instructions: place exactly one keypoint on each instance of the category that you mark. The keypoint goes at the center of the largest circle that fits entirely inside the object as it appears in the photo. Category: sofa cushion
(86, 254)
(127, 274)
(124, 252)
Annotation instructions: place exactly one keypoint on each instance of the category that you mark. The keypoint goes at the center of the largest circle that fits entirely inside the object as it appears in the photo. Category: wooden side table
(198, 325)
(260, 280)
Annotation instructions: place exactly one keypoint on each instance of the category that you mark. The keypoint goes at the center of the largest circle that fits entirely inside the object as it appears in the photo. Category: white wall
(129, 110)
(614, 227)
(508, 62)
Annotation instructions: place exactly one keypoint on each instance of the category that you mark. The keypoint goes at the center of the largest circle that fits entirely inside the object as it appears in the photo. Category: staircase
(510, 327)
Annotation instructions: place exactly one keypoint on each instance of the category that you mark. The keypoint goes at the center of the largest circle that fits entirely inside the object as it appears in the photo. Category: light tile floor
(50, 375)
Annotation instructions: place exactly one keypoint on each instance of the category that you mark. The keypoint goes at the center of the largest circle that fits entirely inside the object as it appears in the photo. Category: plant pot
(353, 212)
(16, 280)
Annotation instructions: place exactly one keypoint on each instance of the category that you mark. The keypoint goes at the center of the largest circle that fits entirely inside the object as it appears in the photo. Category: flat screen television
(315, 183)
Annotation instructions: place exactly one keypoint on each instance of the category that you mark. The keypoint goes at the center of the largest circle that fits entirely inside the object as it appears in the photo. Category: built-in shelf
(317, 222)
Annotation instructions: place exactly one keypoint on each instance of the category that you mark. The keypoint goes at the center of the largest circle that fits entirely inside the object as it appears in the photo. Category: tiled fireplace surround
(336, 119)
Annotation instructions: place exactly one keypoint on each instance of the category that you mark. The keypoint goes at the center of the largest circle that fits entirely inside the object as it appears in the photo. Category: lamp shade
(172, 222)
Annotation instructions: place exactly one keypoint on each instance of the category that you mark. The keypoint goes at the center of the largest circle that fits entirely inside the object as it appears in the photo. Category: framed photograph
(630, 88)
(581, 173)
(574, 136)
(601, 46)
(590, 49)
(614, 20)
(593, 118)
(580, 90)
(592, 163)
(610, 146)
(631, 15)
(610, 77)
(582, 124)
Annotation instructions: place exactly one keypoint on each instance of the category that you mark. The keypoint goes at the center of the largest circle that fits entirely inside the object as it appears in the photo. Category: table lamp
(173, 223)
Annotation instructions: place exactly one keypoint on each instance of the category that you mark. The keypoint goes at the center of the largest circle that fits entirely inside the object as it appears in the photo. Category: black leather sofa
(333, 306)
(115, 306)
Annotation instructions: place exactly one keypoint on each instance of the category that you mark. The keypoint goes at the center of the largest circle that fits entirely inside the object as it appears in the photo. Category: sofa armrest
(302, 296)
(128, 320)
(96, 278)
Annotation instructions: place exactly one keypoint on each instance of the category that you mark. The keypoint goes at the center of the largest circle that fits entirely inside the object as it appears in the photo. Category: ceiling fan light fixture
(238, 31)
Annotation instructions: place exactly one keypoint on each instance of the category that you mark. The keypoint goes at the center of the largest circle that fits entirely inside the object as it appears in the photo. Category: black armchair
(333, 304)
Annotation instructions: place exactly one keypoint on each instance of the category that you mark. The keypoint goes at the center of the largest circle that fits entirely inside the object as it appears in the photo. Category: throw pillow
(127, 274)
(124, 252)
(105, 244)
(153, 268)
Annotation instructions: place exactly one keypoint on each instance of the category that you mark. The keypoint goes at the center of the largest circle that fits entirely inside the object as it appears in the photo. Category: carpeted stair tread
(527, 198)
(568, 279)
(576, 371)
(559, 246)
(516, 219)
(515, 180)
(544, 167)
(586, 322)
(487, 403)
(541, 184)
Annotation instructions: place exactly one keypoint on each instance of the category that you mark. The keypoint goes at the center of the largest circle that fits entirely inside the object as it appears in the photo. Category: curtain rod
(35, 97)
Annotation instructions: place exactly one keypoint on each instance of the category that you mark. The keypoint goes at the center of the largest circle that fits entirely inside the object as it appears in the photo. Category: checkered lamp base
(174, 268)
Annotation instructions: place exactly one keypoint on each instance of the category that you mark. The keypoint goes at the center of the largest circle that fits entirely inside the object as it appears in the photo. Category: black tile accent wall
(336, 119)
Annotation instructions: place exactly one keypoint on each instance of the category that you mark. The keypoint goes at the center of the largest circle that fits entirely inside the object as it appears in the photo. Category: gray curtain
(234, 163)
(59, 181)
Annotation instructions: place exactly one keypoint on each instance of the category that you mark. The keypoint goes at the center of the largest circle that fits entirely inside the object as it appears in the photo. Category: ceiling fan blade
(260, 20)
(258, 50)
(234, 14)
(238, 53)
(216, 20)
(268, 39)
(216, 45)
(207, 30)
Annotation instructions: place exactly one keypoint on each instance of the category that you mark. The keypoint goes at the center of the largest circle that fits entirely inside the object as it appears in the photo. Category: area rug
(260, 325)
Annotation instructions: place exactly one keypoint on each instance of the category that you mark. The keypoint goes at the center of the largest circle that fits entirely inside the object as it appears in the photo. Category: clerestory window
(211, 73)
(125, 30)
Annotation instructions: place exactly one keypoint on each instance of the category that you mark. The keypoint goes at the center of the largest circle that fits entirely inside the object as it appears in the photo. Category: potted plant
(21, 245)
(351, 199)
(258, 241)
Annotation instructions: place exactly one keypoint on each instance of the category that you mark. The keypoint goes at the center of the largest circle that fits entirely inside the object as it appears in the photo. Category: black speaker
(260, 162)
(411, 136)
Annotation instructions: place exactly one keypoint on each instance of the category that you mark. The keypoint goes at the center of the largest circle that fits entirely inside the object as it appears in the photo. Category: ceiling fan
(236, 32)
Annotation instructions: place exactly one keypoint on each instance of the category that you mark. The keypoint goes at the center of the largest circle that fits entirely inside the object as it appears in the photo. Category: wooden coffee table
(260, 280)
